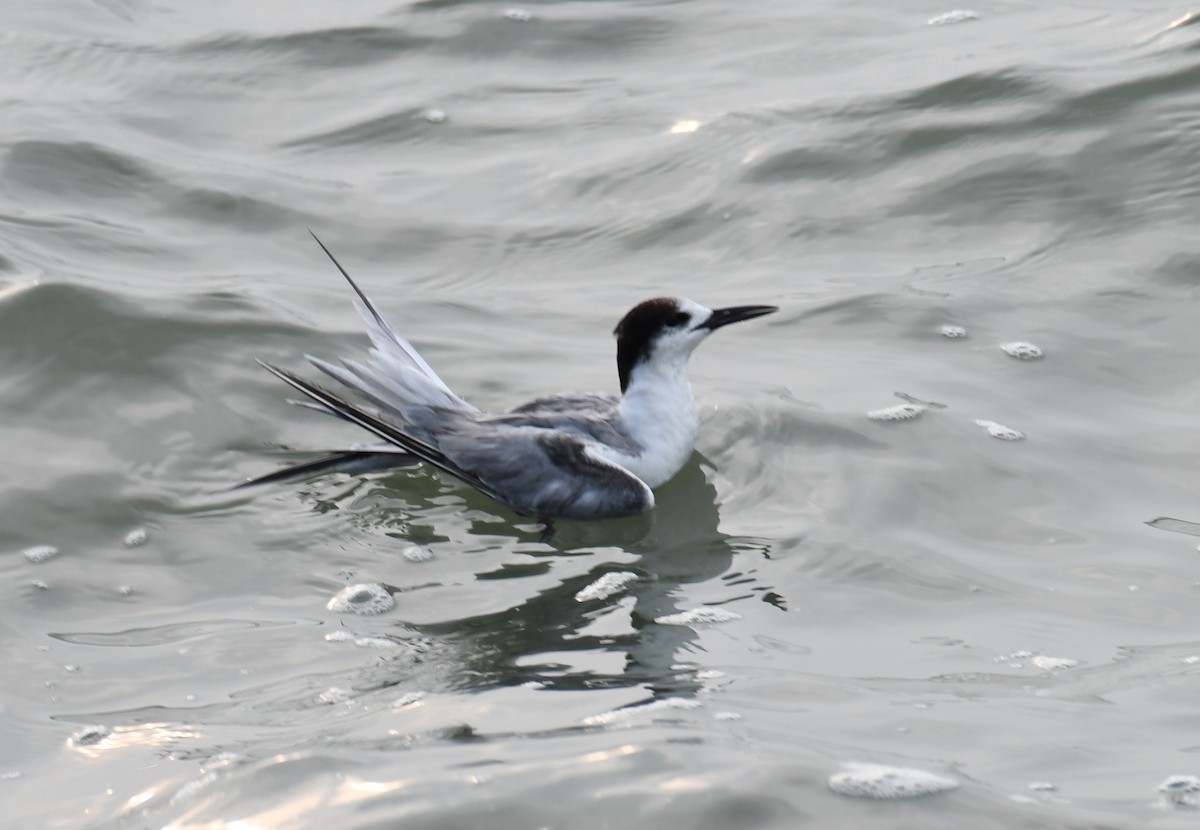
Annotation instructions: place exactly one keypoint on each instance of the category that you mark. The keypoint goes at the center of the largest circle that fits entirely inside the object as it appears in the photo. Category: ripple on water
(877, 781)
(1176, 525)
(953, 332)
(366, 598)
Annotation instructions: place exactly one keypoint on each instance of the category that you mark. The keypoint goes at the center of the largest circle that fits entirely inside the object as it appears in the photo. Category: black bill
(736, 314)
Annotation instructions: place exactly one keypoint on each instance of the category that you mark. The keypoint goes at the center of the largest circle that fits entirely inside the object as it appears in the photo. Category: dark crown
(640, 328)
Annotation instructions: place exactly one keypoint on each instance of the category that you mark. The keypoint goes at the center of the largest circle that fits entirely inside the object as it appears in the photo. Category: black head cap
(638, 330)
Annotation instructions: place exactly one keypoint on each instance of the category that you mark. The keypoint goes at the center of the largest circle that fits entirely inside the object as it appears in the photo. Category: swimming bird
(570, 456)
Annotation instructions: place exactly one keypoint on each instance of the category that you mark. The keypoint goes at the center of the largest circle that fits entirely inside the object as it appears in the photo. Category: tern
(586, 456)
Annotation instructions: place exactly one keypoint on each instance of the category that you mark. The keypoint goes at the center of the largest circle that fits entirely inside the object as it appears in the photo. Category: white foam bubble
(335, 694)
(417, 553)
(125, 590)
(375, 642)
(434, 116)
(878, 781)
(1021, 350)
(339, 636)
(1023, 654)
(1180, 790)
(899, 412)
(606, 586)
(40, 553)
(407, 699)
(956, 16)
(953, 332)
(999, 430)
(367, 598)
(630, 712)
(91, 735)
(10, 776)
(220, 760)
(518, 15)
(726, 716)
(190, 788)
(705, 614)
(137, 536)
(1043, 661)
(1043, 787)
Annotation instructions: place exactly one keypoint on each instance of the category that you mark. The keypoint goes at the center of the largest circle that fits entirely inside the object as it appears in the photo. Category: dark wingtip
(366, 302)
(353, 462)
(328, 253)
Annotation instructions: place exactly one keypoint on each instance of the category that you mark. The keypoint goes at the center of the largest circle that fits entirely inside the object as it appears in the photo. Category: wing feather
(548, 473)
(353, 462)
(544, 473)
(396, 364)
(384, 430)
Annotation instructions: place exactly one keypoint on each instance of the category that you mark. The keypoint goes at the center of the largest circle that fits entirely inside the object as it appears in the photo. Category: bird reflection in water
(678, 543)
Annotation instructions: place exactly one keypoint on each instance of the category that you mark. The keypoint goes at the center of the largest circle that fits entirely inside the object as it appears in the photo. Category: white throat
(659, 411)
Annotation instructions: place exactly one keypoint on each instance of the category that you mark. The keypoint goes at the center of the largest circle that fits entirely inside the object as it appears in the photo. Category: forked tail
(395, 375)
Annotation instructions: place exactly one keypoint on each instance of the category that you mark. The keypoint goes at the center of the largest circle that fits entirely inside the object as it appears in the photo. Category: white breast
(659, 412)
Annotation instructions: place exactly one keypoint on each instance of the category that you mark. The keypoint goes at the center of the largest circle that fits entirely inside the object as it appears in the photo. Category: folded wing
(542, 473)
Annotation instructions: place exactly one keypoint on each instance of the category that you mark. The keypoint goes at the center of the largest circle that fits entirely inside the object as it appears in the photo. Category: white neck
(659, 411)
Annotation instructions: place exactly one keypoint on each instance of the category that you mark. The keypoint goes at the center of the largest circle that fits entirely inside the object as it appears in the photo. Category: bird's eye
(680, 318)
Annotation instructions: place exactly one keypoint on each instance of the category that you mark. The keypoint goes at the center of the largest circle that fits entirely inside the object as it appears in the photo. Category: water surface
(506, 182)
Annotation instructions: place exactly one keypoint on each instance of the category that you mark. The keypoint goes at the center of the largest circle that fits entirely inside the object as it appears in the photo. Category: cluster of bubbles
(40, 554)
(606, 586)
(1018, 349)
(880, 782)
(366, 598)
(706, 615)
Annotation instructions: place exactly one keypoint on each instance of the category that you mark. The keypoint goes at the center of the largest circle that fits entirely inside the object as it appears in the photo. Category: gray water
(505, 182)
